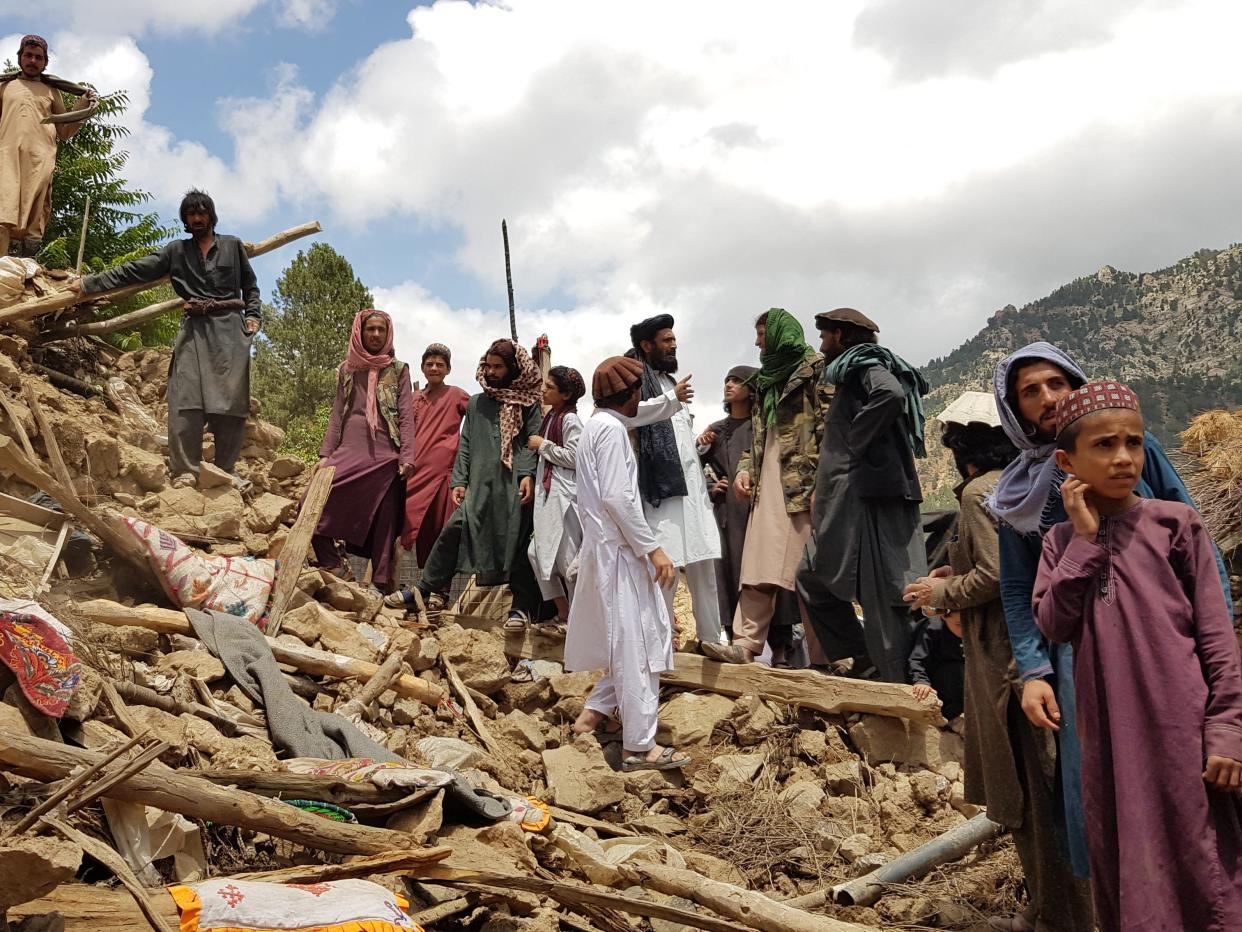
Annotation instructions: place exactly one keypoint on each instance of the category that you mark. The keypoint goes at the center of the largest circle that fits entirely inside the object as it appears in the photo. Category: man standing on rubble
(618, 621)
(868, 542)
(28, 147)
(209, 380)
(670, 479)
(493, 485)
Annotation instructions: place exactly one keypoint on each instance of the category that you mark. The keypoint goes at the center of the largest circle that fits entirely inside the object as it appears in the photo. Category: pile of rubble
(164, 768)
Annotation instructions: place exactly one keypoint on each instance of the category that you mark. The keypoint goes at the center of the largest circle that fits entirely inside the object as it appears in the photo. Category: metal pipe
(953, 844)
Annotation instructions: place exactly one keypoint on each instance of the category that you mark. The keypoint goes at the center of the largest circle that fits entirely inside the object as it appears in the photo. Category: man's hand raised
(683, 391)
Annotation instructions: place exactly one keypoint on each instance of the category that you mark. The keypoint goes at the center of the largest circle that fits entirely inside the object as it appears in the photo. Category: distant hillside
(1174, 335)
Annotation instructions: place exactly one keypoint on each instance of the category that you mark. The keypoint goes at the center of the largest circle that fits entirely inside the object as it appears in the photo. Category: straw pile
(1213, 444)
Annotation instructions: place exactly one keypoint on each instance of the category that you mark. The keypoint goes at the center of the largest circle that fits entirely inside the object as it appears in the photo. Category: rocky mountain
(1174, 335)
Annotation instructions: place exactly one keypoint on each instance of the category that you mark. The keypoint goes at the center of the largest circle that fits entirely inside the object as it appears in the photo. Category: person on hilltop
(438, 410)
(868, 541)
(28, 147)
(778, 475)
(558, 534)
(1133, 584)
(493, 485)
(209, 379)
(1028, 385)
(618, 621)
(672, 484)
(370, 441)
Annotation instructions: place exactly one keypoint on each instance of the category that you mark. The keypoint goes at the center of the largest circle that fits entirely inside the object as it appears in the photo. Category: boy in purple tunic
(1133, 584)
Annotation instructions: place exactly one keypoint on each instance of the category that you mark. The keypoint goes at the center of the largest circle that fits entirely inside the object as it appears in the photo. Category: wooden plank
(303, 786)
(472, 710)
(305, 659)
(59, 469)
(177, 791)
(19, 429)
(88, 908)
(297, 544)
(27, 310)
(807, 689)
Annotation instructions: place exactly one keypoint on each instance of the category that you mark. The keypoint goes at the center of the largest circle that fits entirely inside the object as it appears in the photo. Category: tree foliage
(305, 335)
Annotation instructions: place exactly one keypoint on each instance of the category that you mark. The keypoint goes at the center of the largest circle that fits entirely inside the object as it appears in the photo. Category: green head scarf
(784, 350)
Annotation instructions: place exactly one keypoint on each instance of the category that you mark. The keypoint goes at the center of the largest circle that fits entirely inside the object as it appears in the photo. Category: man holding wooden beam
(209, 380)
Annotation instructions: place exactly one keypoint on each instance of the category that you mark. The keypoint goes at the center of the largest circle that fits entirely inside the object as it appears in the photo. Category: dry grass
(1213, 445)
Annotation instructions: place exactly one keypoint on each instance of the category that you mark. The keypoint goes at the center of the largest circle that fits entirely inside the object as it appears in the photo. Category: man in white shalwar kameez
(618, 620)
(671, 481)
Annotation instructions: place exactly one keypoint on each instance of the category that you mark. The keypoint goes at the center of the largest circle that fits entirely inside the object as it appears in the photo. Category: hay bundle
(1213, 444)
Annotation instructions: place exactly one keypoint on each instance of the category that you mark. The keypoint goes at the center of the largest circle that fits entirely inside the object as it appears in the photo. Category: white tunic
(685, 525)
(554, 512)
(618, 620)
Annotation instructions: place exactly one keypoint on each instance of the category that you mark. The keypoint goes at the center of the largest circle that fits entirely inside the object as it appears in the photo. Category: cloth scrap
(37, 648)
(225, 905)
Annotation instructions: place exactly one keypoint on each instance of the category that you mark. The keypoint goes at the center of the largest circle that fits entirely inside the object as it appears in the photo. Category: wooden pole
(177, 791)
(504, 232)
(59, 469)
(28, 310)
(113, 324)
(304, 659)
(86, 218)
(293, 553)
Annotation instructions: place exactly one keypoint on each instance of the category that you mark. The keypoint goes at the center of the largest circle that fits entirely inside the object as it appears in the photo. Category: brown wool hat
(845, 315)
(615, 374)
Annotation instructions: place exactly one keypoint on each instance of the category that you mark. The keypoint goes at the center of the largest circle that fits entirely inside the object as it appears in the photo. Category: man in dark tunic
(867, 542)
(209, 380)
(721, 447)
(493, 484)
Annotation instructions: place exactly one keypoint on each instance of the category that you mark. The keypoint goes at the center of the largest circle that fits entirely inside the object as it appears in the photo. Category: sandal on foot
(555, 628)
(725, 653)
(436, 602)
(401, 598)
(668, 760)
(514, 625)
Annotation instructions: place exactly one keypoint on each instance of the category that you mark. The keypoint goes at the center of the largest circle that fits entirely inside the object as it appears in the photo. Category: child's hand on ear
(1224, 773)
(1082, 514)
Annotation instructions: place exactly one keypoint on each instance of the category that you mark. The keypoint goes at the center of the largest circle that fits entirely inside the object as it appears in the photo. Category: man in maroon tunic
(438, 410)
(370, 441)
(1133, 584)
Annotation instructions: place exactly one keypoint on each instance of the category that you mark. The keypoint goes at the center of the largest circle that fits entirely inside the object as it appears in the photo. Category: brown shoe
(726, 653)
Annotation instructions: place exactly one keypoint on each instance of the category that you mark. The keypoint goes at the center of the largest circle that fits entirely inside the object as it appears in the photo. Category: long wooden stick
(86, 219)
(504, 232)
(113, 324)
(108, 781)
(19, 430)
(72, 785)
(293, 553)
(392, 862)
(27, 310)
(149, 697)
(305, 659)
(375, 686)
(117, 864)
(177, 791)
(472, 710)
(59, 469)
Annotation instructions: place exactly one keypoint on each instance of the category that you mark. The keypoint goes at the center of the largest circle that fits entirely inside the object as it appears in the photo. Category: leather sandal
(668, 760)
(725, 653)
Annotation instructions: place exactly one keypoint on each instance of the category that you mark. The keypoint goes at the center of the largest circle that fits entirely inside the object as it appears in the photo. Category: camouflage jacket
(387, 394)
(800, 418)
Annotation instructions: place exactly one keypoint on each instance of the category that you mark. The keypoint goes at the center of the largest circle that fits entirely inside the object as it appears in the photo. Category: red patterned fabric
(36, 648)
(1092, 397)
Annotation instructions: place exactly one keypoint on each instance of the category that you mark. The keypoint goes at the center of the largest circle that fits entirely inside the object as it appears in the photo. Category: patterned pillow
(224, 905)
(237, 585)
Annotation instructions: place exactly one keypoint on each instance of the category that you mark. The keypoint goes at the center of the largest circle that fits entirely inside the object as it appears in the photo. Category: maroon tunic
(1159, 688)
(428, 502)
(364, 507)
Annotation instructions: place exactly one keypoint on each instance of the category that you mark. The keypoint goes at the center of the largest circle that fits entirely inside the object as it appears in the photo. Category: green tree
(305, 334)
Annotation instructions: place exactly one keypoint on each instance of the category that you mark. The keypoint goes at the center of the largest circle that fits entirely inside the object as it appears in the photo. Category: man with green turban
(778, 476)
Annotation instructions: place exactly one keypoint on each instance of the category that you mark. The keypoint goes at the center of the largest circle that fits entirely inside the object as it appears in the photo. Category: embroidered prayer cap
(741, 373)
(572, 380)
(614, 375)
(438, 349)
(1092, 397)
(647, 329)
(845, 315)
(33, 40)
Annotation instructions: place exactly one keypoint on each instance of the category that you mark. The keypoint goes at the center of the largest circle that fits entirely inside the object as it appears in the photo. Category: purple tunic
(366, 506)
(1159, 687)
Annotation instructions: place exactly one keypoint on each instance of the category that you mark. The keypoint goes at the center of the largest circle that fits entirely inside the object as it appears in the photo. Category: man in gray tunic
(209, 380)
(868, 542)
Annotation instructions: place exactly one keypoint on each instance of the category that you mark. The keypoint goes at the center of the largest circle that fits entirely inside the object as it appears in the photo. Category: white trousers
(637, 698)
(701, 580)
(560, 585)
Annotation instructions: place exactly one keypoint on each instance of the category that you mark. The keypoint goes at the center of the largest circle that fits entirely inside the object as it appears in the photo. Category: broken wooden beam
(304, 786)
(176, 791)
(59, 469)
(806, 689)
(297, 544)
(304, 659)
(392, 862)
(37, 307)
(113, 324)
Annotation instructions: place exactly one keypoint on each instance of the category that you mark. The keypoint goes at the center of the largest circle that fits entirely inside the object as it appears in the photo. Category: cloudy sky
(924, 162)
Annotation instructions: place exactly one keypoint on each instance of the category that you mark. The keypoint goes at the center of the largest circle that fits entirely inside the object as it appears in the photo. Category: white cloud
(312, 15)
(136, 17)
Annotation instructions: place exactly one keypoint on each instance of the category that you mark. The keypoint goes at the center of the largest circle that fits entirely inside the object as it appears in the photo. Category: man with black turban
(670, 478)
